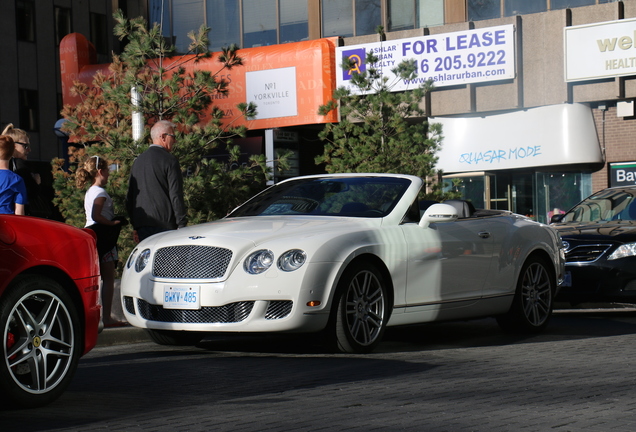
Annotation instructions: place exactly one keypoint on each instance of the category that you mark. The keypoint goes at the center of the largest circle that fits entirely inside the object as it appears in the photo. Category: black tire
(42, 341)
(361, 310)
(175, 338)
(531, 307)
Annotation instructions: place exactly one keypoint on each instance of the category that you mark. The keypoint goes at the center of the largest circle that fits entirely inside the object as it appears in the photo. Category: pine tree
(381, 130)
(102, 125)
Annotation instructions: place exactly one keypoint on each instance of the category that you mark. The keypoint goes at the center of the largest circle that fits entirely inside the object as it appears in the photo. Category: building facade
(546, 133)
(535, 140)
(30, 36)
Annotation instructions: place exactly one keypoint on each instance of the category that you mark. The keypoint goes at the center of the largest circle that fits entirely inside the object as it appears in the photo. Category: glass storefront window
(521, 7)
(489, 9)
(521, 191)
(259, 23)
(556, 193)
(268, 22)
(187, 16)
(401, 15)
(430, 13)
(471, 188)
(483, 9)
(25, 20)
(265, 22)
(564, 4)
(63, 23)
(99, 33)
(536, 195)
(368, 16)
(337, 18)
(294, 24)
(29, 109)
(223, 18)
(411, 14)
(159, 13)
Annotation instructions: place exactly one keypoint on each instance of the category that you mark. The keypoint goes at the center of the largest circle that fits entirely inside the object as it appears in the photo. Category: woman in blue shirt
(13, 195)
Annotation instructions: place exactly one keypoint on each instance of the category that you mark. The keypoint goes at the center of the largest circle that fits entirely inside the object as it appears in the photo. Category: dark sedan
(599, 235)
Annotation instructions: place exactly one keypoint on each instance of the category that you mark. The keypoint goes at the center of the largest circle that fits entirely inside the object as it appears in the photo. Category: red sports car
(49, 310)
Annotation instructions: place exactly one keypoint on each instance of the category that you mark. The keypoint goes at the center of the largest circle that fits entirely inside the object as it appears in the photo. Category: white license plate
(567, 279)
(181, 297)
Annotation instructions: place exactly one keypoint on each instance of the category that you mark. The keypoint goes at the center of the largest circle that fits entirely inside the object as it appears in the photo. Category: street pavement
(461, 376)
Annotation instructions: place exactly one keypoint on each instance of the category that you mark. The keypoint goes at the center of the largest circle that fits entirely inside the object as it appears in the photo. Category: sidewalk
(121, 335)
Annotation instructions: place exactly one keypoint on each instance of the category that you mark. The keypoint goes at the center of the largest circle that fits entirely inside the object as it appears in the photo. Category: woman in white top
(99, 212)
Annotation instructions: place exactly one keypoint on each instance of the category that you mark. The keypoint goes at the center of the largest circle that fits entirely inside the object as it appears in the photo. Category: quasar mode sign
(448, 59)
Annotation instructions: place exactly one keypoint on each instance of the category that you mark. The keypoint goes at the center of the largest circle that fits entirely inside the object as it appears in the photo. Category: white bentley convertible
(343, 254)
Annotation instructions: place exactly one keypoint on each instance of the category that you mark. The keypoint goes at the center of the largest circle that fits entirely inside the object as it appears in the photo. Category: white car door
(448, 261)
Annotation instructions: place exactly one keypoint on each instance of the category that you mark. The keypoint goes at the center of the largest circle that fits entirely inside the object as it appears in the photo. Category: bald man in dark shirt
(155, 190)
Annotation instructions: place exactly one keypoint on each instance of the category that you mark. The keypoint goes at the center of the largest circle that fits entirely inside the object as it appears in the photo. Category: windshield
(328, 196)
(607, 205)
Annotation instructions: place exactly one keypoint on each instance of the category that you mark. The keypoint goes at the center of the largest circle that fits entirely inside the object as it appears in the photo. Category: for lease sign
(448, 59)
(601, 50)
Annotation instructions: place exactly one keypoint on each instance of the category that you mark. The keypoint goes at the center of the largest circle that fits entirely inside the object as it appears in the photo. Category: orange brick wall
(619, 140)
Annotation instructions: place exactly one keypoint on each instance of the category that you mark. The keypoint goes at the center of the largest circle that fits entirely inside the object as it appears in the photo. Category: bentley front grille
(229, 313)
(191, 262)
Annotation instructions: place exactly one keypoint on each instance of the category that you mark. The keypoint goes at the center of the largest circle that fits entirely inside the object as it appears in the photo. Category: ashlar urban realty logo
(357, 59)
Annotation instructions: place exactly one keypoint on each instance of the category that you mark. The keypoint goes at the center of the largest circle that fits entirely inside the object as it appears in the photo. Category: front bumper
(243, 316)
(600, 281)
(272, 302)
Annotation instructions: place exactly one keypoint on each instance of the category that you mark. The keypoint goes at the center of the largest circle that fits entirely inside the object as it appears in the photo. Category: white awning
(552, 135)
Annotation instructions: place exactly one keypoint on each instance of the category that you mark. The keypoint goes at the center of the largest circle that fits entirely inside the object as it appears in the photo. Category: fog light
(313, 303)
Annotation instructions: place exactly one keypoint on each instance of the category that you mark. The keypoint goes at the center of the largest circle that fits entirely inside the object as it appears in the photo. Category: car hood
(237, 233)
(623, 231)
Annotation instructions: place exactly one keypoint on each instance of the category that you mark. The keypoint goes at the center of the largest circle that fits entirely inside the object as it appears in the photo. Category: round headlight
(131, 258)
(259, 261)
(292, 260)
(142, 260)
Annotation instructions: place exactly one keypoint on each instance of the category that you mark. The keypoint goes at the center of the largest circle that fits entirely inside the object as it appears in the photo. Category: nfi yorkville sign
(448, 59)
(622, 174)
(600, 50)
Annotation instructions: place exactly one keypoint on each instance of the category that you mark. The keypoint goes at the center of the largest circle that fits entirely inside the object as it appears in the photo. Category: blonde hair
(88, 171)
(17, 134)
(7, 146)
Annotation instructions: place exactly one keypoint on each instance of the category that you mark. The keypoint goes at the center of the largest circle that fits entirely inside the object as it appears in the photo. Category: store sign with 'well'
(601, 50)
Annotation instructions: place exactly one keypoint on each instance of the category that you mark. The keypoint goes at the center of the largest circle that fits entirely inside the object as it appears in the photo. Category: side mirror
(556, 218)
(438, 213)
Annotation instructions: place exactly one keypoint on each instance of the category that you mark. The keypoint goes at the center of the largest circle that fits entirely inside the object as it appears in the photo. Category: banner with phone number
(449, 59)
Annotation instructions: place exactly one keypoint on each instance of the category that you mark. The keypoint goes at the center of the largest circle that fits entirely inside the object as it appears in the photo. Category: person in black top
(155, 189)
